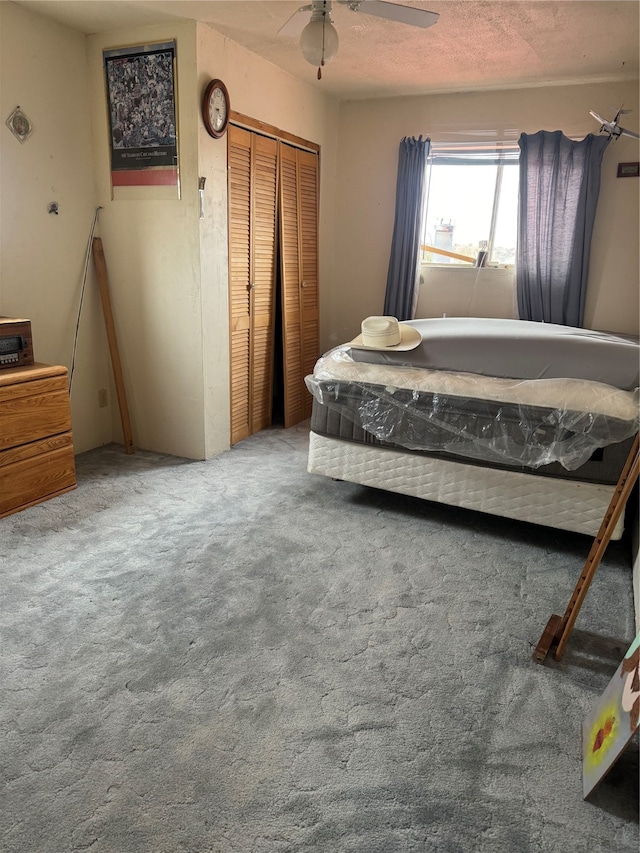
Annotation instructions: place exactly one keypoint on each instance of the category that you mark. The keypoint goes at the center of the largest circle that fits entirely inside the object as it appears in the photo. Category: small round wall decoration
(216, 108)
(20, 125)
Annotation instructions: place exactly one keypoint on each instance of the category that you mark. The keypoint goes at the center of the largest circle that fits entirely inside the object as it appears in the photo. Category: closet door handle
(251, 286)
(303, 284)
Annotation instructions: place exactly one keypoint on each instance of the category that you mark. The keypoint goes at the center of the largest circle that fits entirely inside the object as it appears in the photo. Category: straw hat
(386, 333)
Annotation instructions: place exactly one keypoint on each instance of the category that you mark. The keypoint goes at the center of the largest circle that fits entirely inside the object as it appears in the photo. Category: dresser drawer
(36, 472)
(36, 445)
(33, 410)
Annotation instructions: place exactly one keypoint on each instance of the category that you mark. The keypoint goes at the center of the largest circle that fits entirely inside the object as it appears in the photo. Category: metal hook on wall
(201, 193)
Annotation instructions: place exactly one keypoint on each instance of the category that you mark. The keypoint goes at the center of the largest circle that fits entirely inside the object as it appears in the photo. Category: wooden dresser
(36, 445)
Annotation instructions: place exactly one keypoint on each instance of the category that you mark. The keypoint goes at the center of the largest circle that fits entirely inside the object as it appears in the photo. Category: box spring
(550, 495)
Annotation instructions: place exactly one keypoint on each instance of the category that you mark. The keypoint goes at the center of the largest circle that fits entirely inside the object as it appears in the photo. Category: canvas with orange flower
(613, 722)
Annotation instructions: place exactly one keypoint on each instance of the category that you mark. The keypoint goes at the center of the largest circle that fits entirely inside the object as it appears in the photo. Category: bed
(524, 420)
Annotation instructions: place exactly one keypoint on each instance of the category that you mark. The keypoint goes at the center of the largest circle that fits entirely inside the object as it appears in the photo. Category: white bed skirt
(559, 503)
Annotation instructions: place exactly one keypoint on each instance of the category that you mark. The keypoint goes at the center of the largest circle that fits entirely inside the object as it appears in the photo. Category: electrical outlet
(102, 398)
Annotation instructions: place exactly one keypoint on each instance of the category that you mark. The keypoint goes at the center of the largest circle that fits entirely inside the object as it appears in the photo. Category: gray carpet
(236, 656)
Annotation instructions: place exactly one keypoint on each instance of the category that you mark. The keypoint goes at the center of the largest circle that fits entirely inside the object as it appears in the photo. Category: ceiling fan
(318, 36)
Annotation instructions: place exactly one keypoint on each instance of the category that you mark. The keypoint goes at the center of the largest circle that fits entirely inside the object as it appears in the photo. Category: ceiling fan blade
(297, 22)
(597, 117)
(394, 12)
(625, 132)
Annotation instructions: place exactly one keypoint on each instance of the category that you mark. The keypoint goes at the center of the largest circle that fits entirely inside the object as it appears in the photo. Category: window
(471, 204)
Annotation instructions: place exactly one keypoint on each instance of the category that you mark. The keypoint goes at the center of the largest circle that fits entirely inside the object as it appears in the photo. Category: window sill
(459, 267)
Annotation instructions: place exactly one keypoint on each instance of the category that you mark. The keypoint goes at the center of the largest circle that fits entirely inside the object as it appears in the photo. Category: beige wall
(260, 90)
(43, 68)
(151, 247)
(466, 292)
(370, 132)
(168, 268)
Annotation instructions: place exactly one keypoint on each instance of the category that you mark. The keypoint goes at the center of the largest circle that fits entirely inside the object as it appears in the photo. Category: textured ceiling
(474, 45)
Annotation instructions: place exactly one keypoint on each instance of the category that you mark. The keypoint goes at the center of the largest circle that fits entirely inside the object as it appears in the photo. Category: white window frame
(501, 154)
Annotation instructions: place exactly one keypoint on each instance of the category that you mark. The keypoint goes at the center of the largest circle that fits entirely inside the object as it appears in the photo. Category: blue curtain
(559, 186)
(402, 279)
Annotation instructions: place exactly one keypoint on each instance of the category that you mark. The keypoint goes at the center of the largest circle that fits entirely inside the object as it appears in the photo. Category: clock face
(216, 108)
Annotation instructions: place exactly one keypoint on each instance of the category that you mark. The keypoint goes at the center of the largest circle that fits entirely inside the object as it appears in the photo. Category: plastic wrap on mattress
(603, 467)
(514, 422)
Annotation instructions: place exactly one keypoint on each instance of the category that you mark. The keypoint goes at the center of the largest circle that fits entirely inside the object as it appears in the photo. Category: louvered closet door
(239, 158)
(299, 274)
(263, 228)
(252, 253)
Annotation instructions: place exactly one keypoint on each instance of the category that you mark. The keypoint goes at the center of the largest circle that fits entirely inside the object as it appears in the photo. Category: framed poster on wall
(141, 102)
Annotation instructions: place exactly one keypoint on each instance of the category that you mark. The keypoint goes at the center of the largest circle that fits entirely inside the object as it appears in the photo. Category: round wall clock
(216, 108)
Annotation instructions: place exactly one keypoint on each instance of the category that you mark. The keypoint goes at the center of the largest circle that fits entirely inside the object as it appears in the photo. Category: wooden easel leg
(548, 637)
(557, 630)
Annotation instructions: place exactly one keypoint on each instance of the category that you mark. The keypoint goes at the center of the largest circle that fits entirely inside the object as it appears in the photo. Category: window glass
(506, 226)
(459, 210)
(471, 205)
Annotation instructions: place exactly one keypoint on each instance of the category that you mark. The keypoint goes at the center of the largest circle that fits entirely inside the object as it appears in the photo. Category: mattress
(517, 349)
(604, 465)
(563, 504)
(524, 420)
(517, 423)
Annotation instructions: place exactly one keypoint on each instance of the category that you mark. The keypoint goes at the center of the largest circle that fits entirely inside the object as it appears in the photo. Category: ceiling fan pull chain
(324, 23)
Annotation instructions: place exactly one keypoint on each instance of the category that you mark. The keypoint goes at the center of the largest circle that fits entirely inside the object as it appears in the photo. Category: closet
(273, 278)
